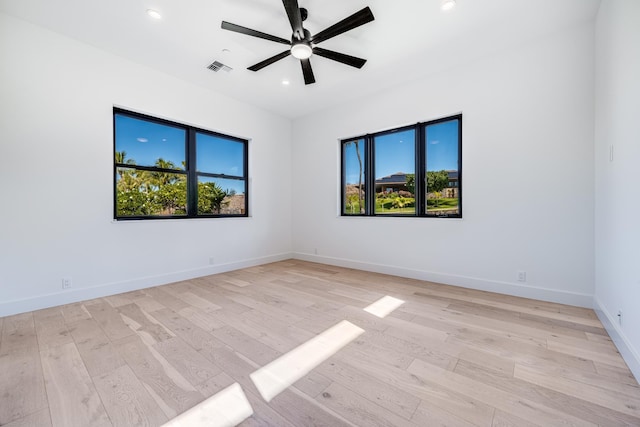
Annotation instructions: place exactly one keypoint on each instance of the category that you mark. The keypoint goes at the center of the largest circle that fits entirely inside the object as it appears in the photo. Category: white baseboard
(629, 353)
(82, 294)
(543, 294)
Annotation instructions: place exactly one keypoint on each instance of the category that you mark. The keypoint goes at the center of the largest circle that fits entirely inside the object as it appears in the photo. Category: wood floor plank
(534, 353)
(495, 397)
(74, 312)
(358, 409)
(595, 352)
(51, 328)
(18, 334)
(263, 415)
(201, 319)
(110, 321)
(194, 367)
(614, 373)
(503, 419)
(291, 405)
(97, 352)
(143, 324)
(609, 399)
(126, 400)
(379, 392)
(433, 394)
(246, 345)
(434, 416)
(22, 389)
(73, 399)
(162, 297)
(313, 383)
(171, 391)
(556, 400)
(41, 418)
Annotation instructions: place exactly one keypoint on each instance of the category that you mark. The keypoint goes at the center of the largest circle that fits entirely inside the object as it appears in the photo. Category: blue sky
(145, 142)
(395, 151)
(442, 146)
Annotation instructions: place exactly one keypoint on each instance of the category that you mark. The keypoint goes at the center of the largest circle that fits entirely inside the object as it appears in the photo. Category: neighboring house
(398, 182)
(392, 183)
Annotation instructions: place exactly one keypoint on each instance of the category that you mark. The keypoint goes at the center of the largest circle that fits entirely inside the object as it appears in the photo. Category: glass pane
(354, 170)
(442, 168)
(219, 196)
(219, 155)
(395, 167)
(143, 193)
(145, 143)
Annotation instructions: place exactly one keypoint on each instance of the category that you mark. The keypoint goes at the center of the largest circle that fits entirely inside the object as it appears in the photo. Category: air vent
(219, 66)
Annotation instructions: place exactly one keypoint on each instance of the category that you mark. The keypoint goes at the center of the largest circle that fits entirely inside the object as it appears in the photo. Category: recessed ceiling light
(447, 4)
(285, 82)
(154, 14)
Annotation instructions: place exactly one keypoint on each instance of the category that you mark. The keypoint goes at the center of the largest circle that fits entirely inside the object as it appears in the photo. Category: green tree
(399, 202)
(352, 202)
(163, 178)
(437, 181)
(437, 196)
(411, 183)
(211, 197)
(171, 197)
(121, 158)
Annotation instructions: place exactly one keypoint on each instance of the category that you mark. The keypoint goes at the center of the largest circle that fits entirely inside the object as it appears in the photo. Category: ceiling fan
(302, 43)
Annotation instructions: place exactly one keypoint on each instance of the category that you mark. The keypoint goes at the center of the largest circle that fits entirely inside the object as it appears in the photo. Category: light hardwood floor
(446, 357)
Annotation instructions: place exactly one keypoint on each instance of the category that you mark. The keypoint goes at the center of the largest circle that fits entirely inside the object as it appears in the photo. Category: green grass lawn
(443, 204)
(393, 211)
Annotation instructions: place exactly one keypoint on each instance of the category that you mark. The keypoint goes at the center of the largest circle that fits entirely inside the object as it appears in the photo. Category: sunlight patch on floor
(275, 377)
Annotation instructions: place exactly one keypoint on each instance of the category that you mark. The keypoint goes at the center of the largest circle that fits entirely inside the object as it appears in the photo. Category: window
(169, 170)
(379, 171)
(395, 159)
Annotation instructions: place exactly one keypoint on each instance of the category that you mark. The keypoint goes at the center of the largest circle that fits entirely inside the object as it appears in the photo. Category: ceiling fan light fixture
(301, 50)
(447, 4)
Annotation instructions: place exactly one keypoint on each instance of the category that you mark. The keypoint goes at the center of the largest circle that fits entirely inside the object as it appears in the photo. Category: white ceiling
(409, 39)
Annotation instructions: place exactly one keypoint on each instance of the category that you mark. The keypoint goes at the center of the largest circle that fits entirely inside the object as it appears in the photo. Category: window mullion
(421, 162)
(370, 180)
(192, 177)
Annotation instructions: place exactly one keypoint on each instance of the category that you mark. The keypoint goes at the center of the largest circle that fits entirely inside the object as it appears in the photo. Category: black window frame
(191, 173)
(420, 171)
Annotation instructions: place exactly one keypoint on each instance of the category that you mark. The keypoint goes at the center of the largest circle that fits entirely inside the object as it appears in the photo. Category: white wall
(56, 190)
(527, 176)
(617, 185)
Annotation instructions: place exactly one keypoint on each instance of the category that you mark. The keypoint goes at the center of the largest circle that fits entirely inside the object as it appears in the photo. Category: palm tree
(164, 178)
(360, 193)
(121, 159)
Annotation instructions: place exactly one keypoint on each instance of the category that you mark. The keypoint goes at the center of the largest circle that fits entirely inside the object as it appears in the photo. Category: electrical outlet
(67, 282)
(212, 260)
(315, 251)
(522, 276)
(620, 317)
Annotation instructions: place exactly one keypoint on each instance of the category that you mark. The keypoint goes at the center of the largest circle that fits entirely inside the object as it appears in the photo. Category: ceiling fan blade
(249, 32)
(269, 61)
(357, 19)
(340, 57)
(295, 18)
(307, 71)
